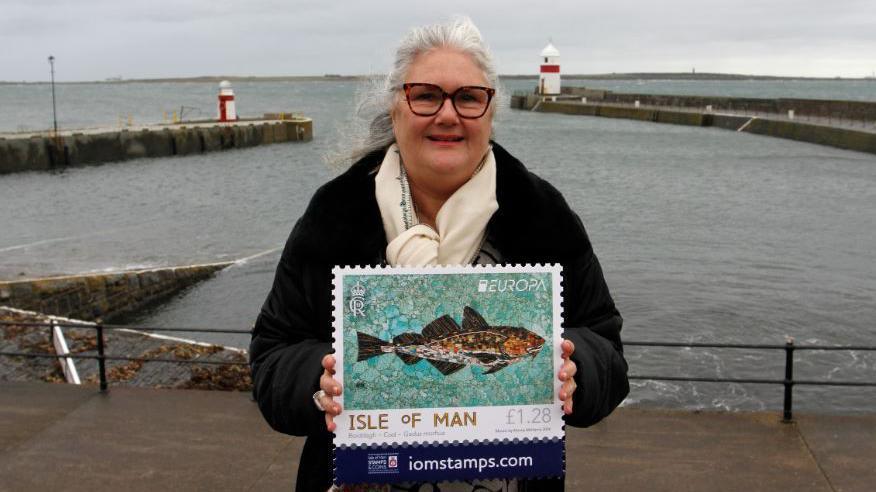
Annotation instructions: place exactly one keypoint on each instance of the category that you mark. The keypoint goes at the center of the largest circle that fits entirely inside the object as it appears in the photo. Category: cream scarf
(461, 221)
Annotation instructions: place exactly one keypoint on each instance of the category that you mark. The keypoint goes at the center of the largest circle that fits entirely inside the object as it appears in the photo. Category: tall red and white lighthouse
(227, 111)
(549, 75)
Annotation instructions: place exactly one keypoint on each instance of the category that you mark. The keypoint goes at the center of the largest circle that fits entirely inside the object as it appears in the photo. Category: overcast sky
(96, 39)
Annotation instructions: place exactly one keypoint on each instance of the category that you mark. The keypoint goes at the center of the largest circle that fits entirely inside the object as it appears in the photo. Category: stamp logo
(357, 300)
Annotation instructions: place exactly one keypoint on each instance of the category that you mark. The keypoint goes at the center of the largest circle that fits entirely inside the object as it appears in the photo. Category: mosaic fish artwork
(449, 347)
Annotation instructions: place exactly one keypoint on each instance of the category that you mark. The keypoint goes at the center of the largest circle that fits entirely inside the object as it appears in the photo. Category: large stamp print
(448, 373)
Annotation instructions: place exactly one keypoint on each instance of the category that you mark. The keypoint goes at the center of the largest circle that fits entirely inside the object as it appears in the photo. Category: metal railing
(101, 355)
(788, 382)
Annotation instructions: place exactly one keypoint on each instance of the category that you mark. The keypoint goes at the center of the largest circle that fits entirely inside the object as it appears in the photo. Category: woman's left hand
(567, 376)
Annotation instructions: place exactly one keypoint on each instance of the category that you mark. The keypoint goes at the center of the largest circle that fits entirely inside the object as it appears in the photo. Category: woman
(429, 187)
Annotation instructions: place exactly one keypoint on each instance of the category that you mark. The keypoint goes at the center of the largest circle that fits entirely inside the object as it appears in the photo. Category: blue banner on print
(447, 462)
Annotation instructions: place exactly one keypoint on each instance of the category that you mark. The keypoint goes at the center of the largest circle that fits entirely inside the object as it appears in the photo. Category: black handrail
(104, 326)
(124, 358)
(101, 356)
(788, 382)
(101, 360)
(748, 346)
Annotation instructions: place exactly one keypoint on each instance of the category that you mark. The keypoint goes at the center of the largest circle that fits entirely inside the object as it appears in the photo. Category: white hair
(372, 124)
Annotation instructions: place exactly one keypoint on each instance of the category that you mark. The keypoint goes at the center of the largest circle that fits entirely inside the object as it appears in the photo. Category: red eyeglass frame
(444, 96)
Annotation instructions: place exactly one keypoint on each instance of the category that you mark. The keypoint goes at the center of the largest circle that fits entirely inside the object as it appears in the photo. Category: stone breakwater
(44, 152)
(103, 295)
(814, 108)
(843, 138)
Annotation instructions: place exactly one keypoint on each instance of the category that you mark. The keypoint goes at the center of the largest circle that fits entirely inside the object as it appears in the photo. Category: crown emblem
(357, 290)
(357, 300)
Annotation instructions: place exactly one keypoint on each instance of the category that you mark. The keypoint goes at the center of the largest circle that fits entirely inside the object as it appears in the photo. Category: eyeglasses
(470, 101)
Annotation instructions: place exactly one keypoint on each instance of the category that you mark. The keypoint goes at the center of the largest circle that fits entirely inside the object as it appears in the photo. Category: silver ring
(316, 396)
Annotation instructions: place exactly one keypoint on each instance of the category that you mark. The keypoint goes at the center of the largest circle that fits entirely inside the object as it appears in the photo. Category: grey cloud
(94, 39)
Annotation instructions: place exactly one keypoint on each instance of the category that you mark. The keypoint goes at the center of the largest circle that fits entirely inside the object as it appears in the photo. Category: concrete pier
(37, 152)
(75, 438)
(828, 109)
(821, 133)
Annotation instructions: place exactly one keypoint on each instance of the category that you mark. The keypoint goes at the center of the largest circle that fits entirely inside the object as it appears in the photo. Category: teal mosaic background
(396, 304)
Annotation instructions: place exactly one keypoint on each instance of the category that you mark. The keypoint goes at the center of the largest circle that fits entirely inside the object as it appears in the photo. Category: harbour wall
(43, 152)
(817, 108)
(104, 295)
(842, 138)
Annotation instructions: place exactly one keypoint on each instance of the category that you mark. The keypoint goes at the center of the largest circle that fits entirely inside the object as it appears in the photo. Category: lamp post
(54, 108)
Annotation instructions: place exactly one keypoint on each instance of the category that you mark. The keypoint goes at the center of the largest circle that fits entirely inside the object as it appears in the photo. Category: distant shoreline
(356, 78)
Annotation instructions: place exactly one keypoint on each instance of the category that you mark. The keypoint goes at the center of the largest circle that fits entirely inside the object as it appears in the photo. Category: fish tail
(369, 346)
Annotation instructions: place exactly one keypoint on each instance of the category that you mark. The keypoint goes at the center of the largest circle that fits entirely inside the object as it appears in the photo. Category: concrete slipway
(64, 437)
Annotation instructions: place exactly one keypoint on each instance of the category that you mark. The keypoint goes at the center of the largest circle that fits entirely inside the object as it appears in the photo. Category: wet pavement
(75, 438)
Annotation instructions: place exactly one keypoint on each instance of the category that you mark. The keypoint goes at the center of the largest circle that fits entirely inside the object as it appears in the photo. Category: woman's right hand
(332, 388)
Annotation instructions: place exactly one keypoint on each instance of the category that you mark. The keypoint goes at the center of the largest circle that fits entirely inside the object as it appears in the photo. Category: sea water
(704, 235)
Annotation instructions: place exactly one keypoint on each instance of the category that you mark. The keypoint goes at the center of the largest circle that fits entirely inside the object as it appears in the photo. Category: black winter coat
(342, 226)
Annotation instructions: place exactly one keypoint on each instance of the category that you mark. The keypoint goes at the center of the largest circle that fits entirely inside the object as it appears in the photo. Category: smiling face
(441, 151)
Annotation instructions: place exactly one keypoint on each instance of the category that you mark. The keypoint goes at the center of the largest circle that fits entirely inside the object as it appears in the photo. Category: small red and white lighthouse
(549, 75)
(227, 111)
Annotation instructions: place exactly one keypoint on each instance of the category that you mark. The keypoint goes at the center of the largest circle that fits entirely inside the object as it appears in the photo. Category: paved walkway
(71, 438)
